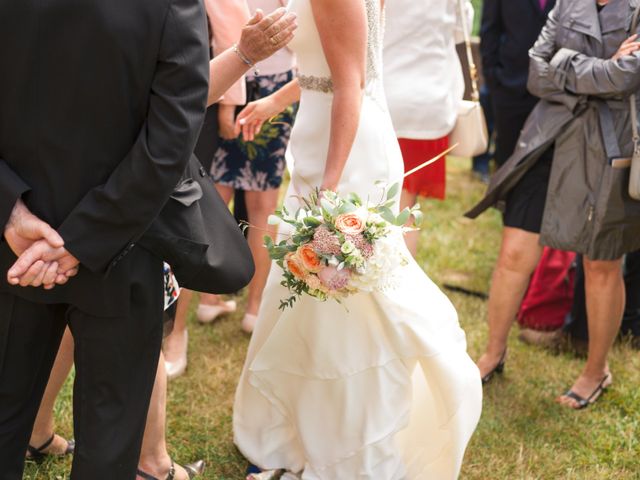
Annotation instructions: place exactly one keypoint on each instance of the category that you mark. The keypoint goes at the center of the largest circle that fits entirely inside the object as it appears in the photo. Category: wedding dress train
(380, 387)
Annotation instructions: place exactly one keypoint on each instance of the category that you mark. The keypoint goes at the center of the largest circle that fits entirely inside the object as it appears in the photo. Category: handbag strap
(632, 97)
(473, 70)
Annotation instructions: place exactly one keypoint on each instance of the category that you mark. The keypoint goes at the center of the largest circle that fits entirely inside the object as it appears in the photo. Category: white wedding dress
(380, 387)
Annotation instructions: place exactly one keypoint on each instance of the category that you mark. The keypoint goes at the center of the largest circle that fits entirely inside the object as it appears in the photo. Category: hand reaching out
(264, 36)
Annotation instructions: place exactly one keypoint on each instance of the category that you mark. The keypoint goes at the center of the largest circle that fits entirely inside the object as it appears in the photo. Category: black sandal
(498, 369)
(193, 470)
(38, 455)
(593, 398)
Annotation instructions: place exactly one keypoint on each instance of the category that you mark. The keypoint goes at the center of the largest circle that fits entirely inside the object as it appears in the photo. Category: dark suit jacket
(509, 29)
(101, 103)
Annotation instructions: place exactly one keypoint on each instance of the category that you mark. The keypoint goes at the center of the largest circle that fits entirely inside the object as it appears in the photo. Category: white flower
(348, 247)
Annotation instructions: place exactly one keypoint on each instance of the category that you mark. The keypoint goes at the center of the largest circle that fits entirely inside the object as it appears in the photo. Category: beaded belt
(318, 84)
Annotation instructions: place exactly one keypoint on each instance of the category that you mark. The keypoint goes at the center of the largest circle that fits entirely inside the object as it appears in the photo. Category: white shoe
(177, 368)
(208, 313)
(249, 322)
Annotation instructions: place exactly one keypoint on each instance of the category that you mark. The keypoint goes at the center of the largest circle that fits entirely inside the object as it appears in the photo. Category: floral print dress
(257, 165)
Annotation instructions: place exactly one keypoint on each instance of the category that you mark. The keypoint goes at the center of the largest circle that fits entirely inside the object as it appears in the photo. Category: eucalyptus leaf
(388, 215)
(273, 220)
(312, 222)
(327, 206)
(403, 217)
(347, 207)
(418, 217)
(393, 191)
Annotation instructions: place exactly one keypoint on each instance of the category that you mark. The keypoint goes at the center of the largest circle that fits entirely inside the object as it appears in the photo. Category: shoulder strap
(473, 70)
(632, 98)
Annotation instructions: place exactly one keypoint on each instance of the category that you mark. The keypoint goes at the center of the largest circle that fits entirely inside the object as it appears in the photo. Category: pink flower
(334, 279)
(349, 224)
(325, 243)
(362, 244)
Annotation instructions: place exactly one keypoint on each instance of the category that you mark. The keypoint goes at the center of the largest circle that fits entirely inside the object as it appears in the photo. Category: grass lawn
(523, 434)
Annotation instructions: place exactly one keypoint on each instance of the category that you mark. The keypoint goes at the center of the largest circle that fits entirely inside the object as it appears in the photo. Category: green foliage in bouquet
(330, 251)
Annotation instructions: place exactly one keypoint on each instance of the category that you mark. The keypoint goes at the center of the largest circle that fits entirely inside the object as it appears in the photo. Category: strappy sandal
(193, 470)
(498, 369)
(38, 454)
(591, 399)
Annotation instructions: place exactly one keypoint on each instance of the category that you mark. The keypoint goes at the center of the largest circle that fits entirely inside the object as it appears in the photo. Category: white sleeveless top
(423, 77)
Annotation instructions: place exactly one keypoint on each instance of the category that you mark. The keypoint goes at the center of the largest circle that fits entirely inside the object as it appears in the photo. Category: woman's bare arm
(250, 120)
(261, 38)
(342, 25)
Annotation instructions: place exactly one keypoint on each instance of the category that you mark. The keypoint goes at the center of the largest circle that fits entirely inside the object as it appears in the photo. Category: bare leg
(43, 427)
(174, 345)
(259, 206)
(227, 195)
(408, 199)
(519, 255)
(154, 458)
(605, 294)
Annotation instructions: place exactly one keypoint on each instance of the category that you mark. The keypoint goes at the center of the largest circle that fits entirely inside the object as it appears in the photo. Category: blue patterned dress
(257, 165)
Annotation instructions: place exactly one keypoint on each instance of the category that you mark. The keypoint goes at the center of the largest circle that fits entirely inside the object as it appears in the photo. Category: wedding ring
(273, 40)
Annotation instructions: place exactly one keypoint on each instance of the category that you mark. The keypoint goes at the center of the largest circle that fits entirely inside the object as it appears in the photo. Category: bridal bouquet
(340, 245)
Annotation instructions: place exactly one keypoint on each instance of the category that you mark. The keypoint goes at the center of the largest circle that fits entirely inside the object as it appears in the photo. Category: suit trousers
(115, 359)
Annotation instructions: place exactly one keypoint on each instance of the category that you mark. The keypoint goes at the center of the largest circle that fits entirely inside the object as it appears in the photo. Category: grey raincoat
(584, 110)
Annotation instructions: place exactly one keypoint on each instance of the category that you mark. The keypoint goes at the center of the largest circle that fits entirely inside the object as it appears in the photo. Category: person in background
(508, 30)
(226, 20)
(424, 85)
(585, 116)
(116, 360)
(256, 165)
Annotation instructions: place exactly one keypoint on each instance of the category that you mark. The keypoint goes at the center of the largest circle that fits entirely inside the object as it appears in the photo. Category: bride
(380, 387)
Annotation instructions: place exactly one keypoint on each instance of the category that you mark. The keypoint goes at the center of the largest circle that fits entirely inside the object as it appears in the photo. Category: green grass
(523, 434)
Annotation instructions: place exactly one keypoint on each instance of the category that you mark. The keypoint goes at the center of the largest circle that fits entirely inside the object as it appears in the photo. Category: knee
(259, 209)
(600, 270)
(515, 257)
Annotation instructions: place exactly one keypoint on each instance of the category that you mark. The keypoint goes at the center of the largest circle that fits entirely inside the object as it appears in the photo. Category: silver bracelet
(245, 60)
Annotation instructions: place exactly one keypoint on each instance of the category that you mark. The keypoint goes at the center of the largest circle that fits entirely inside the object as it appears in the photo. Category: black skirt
(525, 202)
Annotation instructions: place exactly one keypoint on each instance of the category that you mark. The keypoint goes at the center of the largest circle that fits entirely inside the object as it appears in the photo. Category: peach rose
(295, 266)
(349, 224)
(309, 258)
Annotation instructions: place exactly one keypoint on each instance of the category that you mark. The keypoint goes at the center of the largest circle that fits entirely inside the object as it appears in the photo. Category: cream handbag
(470, 132)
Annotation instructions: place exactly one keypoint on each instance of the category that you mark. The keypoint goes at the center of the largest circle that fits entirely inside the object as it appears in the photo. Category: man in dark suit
(509, 29)
(100, 107)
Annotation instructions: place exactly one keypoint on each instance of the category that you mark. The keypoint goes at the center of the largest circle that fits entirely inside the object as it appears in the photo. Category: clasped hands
(42, 259)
